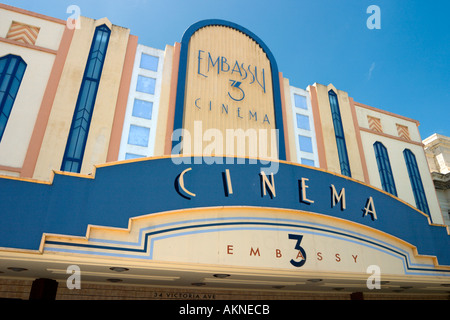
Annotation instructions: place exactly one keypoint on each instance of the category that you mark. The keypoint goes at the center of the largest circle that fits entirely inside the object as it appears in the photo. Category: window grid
(303, 128)
(12, 69)
(416, 181)
(339, 133)
(142, 106)
(76, 142)
(384, 168)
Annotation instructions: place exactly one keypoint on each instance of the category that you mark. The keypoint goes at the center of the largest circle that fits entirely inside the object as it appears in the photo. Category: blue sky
(404, 67)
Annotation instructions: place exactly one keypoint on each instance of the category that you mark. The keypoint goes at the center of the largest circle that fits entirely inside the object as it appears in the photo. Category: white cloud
(372, 66)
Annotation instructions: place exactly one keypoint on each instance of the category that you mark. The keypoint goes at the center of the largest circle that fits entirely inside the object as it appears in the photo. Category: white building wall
(136, 127)
(20, 125)
(395, 147)
(303, 125)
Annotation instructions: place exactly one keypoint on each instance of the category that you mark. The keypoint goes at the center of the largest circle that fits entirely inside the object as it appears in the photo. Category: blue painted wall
(122, 191)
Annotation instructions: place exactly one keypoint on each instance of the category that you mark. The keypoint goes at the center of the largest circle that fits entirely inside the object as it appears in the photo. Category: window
(308, 162)
(142, 109)
(416, 181)
(339, 133)
(384, 168)
(300, 102)
(138, 136)
(76, 143)
(12, 68)
(129, 156)
(305, 143)
(303, 122)
(146, 85)
(149, 62)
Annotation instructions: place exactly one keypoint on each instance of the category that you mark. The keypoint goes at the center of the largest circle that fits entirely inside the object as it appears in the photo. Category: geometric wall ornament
(23, 33)
(375, 124)
(403, 132)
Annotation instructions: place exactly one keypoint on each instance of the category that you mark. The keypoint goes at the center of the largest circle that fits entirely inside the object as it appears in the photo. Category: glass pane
(5, 82)
(300, 102)
(305, 143)
(138, 136)
(11, 66)
(133, 156)
(146, 85)
(21, 70)
(303, 122)
(142, 109)
(3, 121)
(307, 162)
(149, 62)
(3, 63)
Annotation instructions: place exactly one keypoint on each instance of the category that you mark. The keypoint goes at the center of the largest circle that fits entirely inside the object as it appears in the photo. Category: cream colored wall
(329, 136)
(395, 149)
(388, 122)
(290, 128)
(17, 135)
(56, 134)
(50, 33)
(163, 114)
(222, 41)
(103, 116)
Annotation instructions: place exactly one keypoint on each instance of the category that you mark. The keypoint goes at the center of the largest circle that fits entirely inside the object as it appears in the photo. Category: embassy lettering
(220, 64)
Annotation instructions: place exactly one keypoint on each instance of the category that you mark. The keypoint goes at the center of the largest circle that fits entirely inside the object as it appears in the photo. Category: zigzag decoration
(375, 124)
(23, 33)
(403, 132)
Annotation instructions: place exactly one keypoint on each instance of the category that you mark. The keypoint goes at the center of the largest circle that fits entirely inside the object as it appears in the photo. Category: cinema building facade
(200, 172)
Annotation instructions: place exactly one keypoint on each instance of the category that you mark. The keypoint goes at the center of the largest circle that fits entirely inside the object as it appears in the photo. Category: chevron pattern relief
(375, 124)
(23, 33)
(403, 132)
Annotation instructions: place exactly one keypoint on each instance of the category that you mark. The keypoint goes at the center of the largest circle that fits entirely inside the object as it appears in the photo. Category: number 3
(298, 247)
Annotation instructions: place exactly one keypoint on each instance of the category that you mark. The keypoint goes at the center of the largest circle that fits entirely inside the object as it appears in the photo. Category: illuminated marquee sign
(228, 79)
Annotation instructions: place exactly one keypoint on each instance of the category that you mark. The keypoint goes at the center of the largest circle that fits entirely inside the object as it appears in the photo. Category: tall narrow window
(416, 181)
(384, 168)
(339, 133)
(12, 68)
(76, 143)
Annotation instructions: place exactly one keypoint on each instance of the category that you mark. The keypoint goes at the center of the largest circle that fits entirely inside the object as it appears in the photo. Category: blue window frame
(76, 142)
(12, 69)
(142, 109)
(305, 144)
(146, 85)
(416, 181)
(339, 133)
(300, 102)
(384, 168)
(303, 122)
(149, 62)
(138, 136)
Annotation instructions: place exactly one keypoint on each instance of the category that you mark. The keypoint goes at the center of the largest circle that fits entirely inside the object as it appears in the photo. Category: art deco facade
(85, 111)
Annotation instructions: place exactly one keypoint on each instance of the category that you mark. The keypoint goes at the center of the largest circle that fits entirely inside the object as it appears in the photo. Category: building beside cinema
(200, 172)
(437, 151)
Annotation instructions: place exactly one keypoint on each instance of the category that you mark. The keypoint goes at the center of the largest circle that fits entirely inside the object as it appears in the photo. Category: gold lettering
(181, 182)
(228, 178)
(370, 209)
(303, 190)
(338, 197)
(265, 182)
